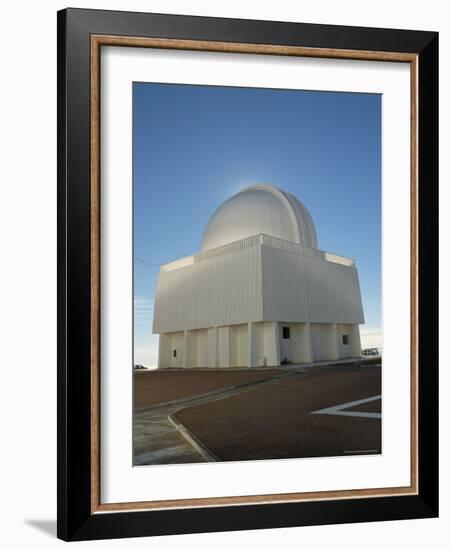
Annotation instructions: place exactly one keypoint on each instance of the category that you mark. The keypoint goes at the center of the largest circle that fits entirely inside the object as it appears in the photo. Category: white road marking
(339, 409)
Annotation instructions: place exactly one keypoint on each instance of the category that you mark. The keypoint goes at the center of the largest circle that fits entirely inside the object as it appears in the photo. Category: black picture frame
(76, 520)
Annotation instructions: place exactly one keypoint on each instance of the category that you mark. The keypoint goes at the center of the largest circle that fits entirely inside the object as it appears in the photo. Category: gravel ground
(275, 421)
(158, 386)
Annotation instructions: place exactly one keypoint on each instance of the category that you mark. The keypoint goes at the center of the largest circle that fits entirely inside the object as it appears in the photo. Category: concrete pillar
(276, 333)
(224, 347)
(272, 344)
(252, 346)
(164, 351)
(213, 347)
(333, 349)
(355, 341)
(308, 356)
(186, 350)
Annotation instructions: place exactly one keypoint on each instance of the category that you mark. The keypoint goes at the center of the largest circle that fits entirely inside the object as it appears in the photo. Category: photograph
(246, 286)
(223, 254)
(257, 326)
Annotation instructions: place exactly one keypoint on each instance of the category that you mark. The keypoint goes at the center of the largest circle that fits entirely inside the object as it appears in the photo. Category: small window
(345, 339)
(286, 333)
(174, 352)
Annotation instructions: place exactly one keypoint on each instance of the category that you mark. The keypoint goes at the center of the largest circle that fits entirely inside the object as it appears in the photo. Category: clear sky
(195, 146)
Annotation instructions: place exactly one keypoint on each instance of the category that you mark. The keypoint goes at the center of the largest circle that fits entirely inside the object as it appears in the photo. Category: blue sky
(195, 146)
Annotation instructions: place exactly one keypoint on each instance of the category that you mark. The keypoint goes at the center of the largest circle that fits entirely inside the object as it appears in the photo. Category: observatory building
(259, 293)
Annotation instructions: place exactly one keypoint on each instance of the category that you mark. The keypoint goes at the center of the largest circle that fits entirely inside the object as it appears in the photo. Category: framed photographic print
(247, 262)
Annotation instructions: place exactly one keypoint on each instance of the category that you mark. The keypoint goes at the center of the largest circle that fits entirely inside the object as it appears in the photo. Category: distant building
(259, 293)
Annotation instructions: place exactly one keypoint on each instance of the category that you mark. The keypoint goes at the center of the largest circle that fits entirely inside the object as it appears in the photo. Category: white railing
(296, 248)
(227, 248)
(266, 240)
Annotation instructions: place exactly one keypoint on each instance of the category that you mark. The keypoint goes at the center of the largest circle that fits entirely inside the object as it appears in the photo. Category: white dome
(260, 209)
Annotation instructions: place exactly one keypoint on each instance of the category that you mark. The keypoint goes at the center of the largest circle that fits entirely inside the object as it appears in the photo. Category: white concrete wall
(258, 344)
(271, 344)
(188, 349)
(224, 359)
(301, 343)
(239, 345)
(167, 344)
(197, 355)
(353, 348)
(164, 351)
(213, 347)
(255, 349)
(324, 342)
(355, 341)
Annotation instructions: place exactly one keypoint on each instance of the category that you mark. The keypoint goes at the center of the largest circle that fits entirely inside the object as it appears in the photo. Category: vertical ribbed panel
(259, 278)
(302, 288)
(222, 289)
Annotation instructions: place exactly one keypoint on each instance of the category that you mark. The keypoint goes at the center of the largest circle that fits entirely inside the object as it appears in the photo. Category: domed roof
(260, 209)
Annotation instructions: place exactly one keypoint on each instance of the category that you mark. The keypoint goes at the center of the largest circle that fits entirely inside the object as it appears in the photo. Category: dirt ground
(158, 386)
(275, 421)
